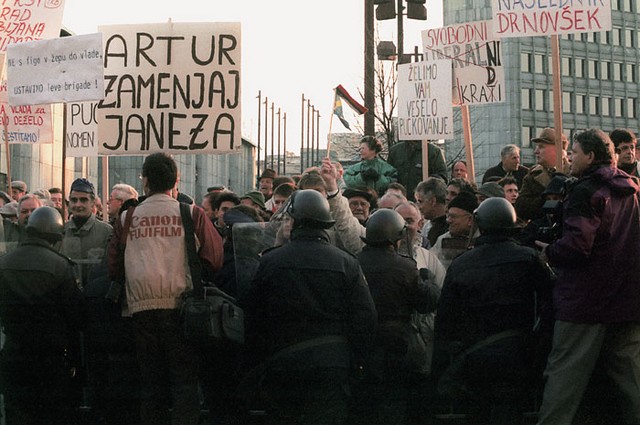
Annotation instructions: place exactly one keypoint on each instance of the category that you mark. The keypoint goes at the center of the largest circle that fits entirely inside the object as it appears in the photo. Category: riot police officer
(491, 298)
(308, 313)
(398, 292)
(42, 311)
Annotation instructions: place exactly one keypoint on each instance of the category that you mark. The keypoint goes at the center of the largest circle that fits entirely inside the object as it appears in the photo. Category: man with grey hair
(120, 194)
(509, 166)
(431, 196)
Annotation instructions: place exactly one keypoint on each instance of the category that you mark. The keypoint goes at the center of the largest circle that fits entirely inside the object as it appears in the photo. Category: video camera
(553, 214)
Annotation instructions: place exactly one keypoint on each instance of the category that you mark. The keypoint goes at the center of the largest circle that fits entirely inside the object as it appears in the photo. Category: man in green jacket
(406, 157)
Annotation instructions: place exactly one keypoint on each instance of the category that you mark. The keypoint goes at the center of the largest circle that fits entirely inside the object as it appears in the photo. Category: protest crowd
(369, 296)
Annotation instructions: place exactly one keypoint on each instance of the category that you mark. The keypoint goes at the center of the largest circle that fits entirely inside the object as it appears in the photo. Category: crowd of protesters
(371, 296)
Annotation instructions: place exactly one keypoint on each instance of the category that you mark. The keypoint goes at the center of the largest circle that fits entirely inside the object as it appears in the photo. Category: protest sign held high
(59, 70)
(24, 124)
(22, 21)
(476, 56)
(521, 18)
(425, 110)
(171, 87)
(81, 137)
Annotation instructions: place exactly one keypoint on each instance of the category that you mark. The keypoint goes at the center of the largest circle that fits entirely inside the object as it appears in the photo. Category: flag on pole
(342, 95)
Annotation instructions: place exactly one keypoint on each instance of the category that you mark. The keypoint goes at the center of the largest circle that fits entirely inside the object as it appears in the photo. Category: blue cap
(82, 185)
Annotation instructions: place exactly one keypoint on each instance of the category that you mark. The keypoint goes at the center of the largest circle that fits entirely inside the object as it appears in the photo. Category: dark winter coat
(598, 277)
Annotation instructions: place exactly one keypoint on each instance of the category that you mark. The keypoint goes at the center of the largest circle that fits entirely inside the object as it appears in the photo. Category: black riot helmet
(496, 216)
(46, 223)
(310, 209)
(384, 227)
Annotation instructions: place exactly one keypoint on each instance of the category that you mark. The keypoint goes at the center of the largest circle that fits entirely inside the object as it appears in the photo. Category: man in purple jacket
(597, 293)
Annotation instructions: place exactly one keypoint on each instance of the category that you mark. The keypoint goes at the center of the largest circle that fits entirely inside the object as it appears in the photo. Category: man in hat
(253, 199)
(360, 203)
(459, 237)
(265, 183)
(85, 237)
(529, 203)
(625, 143)
(489, 190)
(18, 189)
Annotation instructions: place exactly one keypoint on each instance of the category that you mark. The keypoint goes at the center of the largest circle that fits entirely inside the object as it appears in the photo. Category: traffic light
(385, 9)
(416, 11)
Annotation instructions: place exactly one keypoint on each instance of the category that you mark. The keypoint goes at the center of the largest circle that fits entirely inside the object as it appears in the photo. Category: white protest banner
(25, 124)
(476, 56)
(171, 87)
(82, 130)
(521, 18)
(29, 20)
(425, 110)
(67, 69)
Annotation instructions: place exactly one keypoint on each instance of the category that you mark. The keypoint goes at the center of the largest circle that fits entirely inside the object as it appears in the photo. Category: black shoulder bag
(209, 315)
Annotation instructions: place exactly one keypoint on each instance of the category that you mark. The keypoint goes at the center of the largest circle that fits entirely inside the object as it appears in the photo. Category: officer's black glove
(370, 174)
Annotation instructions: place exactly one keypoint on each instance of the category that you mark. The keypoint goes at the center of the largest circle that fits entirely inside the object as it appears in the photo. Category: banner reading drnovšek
(64, 69)
(476, 55)
(425, 109)
(29, 20)
(172, 88)
(522, 18)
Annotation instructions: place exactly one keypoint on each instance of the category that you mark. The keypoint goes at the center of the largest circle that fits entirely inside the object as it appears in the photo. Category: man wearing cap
(529, 203)
(253, 199)
(459, 237)
(265, 183)
(489, 190)
(360, 203)
(509, 166)
(625, 143)
(85, 237)
(18, 189)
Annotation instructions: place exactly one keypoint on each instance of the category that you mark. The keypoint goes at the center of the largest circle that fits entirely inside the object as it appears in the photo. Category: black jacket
(397, 292)
(41, 305)
(492, 288)
(306, 289)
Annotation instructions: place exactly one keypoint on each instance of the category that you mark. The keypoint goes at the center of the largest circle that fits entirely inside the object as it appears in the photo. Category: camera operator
(596, 294)
(549, 227)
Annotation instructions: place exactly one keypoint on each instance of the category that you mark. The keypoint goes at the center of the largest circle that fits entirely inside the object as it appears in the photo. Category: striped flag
(342, 95)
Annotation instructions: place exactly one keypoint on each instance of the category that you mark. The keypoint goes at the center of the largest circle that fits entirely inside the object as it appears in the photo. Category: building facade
(599, 74)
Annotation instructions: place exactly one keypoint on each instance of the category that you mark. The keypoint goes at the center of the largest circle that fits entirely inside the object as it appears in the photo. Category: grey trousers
(576, 348)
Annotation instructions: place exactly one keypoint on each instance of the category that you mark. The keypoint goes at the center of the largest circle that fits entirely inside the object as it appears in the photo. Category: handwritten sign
(29, 20)
(66, 69)
(82, 129)
(425, 110)
(521, 18)
(476, 57)
(171, 87)
(24, 124)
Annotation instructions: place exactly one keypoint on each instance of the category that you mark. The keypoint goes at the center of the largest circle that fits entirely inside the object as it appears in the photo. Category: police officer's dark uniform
(489, 298)
(308, 312)
(42, 311)
(397, 291)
